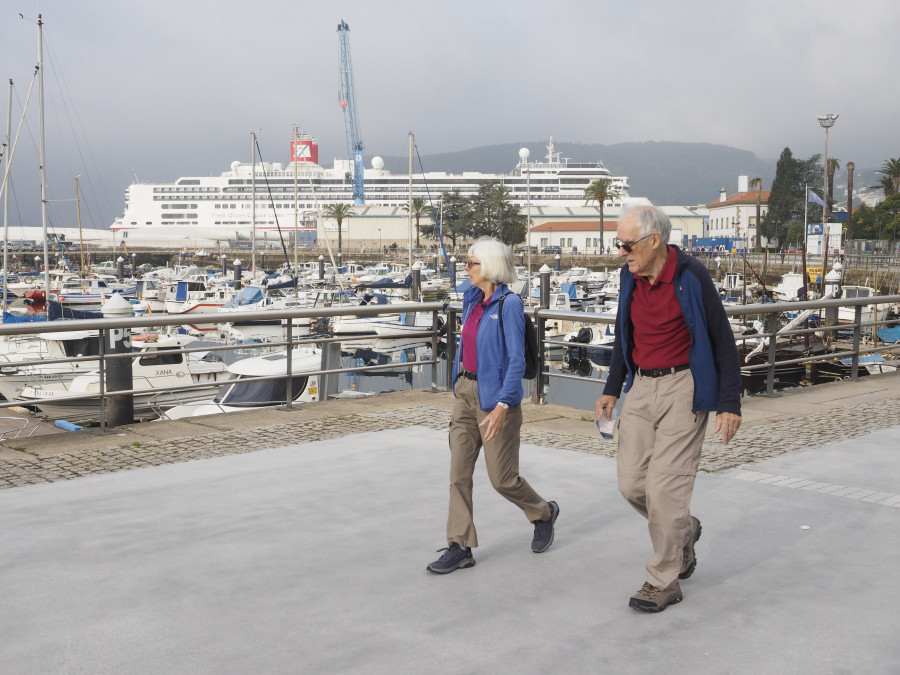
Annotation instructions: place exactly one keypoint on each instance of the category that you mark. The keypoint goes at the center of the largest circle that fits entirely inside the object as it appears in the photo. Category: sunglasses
(628, 246)
(471, 263)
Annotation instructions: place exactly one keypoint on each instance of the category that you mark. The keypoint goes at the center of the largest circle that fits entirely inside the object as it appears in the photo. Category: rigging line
(74, 120)
(437, 226)
(274, 210)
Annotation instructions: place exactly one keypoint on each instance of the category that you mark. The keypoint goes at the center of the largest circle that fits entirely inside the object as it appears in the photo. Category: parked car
(552, 249)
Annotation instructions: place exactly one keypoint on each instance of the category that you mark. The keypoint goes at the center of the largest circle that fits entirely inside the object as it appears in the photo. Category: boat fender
(28, 280)
(68, 426)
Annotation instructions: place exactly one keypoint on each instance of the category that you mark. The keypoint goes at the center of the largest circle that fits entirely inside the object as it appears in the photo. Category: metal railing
(858, 338)
(291, 340)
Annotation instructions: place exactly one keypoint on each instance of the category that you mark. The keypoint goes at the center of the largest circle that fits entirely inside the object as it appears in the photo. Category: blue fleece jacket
(501, 356)
(713, 356)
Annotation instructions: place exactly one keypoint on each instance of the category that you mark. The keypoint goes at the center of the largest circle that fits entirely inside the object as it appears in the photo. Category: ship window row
(167, 190)
(179, 206)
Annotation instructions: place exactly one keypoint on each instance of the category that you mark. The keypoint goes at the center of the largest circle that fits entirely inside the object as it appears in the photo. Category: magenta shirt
(470, 333)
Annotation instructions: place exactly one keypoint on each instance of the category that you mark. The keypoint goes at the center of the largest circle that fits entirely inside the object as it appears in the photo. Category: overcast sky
(166, 88)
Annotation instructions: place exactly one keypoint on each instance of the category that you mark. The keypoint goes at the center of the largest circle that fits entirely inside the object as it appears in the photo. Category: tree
(863, 223)
(498, 196)
(339, 212)
(420, 207)
(886, 214)
(787, 200)
(891, 169)
(456, 217)
(600, 191)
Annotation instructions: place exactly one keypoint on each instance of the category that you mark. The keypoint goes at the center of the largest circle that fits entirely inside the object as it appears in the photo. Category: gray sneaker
(543, 530)
(454, 558)
(688, 557)
(651, 599)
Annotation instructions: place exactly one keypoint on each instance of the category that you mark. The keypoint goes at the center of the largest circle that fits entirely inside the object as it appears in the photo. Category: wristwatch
(503, 405)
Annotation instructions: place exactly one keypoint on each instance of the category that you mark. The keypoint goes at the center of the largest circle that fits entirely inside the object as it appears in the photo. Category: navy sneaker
(454, 558)
(543, 530)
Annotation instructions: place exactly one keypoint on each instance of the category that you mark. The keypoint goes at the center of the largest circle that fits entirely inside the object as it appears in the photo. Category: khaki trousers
(660, 438)
(501, 456)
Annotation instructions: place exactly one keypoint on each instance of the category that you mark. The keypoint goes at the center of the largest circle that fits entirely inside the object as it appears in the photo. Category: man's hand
(494, 421)
(605, 405)
(728, 424)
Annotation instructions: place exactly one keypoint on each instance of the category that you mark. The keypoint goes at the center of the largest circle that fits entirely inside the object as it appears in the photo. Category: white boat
(220, 206)
(848, 314)
(16, 373)
(237, 395)
(157, 365)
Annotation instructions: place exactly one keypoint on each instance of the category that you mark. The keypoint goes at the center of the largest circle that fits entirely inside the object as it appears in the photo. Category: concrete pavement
(299, 544)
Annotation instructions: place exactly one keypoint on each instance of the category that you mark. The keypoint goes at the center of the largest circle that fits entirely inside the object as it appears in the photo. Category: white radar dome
(377, 163)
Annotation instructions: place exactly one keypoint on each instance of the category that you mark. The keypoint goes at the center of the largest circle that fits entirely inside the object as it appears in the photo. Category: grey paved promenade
(299, 544)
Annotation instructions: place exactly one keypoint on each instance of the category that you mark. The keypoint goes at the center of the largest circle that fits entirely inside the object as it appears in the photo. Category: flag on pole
(813, 197)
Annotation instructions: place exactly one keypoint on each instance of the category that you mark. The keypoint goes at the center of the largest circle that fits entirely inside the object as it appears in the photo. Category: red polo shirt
(470, 334)
(661, 337)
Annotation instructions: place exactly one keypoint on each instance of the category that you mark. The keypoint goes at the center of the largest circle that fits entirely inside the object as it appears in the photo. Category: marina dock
(296, 541)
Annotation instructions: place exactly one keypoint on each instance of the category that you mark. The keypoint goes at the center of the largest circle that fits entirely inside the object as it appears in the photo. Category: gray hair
(650, 219)
(496, 258)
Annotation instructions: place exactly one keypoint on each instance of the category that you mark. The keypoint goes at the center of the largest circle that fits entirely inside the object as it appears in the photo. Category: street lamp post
(826, 122)
(380, 250)
(523, 155)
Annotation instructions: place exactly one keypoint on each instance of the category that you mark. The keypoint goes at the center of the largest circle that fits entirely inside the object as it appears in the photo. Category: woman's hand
(494, 421)
(604, 406)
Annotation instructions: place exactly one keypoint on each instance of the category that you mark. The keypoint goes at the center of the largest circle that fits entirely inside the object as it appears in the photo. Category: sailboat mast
(409, 203)
(40, 24)
(296, 213)
(253, 201)
(6, 200)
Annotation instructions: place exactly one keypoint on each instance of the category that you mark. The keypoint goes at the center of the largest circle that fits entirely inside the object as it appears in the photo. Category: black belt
(659, 372)
(466, 374)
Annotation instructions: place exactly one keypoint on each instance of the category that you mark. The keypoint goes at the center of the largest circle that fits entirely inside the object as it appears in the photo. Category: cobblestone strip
(753, 444)
(862, 494)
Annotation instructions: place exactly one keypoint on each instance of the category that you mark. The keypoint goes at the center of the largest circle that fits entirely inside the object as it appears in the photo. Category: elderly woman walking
(487, 383)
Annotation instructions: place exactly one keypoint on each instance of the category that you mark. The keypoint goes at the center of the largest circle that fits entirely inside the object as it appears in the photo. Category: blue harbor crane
(351, 124)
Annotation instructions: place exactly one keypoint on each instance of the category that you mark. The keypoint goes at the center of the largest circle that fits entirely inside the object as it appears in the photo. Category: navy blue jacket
(713, 356)
(501, 356)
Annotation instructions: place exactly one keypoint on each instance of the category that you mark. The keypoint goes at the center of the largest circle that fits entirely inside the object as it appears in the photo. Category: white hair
(496, 258)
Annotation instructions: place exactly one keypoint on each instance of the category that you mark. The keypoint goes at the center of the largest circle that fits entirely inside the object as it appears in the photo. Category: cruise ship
(290, 196)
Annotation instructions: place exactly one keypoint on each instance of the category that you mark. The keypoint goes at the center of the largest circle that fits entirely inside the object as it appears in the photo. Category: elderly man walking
(676, 357)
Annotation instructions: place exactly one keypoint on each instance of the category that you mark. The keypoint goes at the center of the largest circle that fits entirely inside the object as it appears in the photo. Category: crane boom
(351, 124)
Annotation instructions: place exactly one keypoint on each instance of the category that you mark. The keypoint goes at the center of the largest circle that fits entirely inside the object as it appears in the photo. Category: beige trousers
(501, 456)
(660, 438)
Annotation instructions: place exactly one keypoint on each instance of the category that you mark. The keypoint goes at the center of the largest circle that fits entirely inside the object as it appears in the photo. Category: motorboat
(158, 365)
(237, 394)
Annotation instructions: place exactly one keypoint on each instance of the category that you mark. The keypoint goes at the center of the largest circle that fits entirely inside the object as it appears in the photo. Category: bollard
(236, 269)
(120, 268)
(556, 259)
(224, 266)
(321, 268)
(120, 407)
(452, 272)
(545, 286)
(416, 284)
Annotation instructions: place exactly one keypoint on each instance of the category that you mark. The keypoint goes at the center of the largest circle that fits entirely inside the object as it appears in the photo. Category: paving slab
(311, 558)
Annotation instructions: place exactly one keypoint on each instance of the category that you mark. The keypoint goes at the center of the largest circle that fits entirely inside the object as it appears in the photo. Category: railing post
(771, 328)
(857, 338)
(289, 395)
(435, 330)
(331, 360)
(451, 345)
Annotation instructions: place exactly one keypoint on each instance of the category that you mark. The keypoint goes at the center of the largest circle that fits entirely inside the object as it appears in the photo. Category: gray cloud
(171, 88)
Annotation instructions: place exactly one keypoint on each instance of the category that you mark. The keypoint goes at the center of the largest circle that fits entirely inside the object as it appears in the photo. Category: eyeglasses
(628, 246)
(472, 263)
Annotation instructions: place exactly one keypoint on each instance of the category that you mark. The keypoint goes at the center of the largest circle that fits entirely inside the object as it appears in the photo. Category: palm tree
(891, 169)
(420, 207)
(833, 165)
(756, 184)
(339, 212)
(599, 191)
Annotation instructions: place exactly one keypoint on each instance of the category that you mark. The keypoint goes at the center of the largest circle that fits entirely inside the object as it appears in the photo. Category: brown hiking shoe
(651, 599)
(688, 557)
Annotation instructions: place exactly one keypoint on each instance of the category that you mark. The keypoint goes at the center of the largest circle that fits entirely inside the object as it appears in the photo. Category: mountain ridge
(667, 173)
